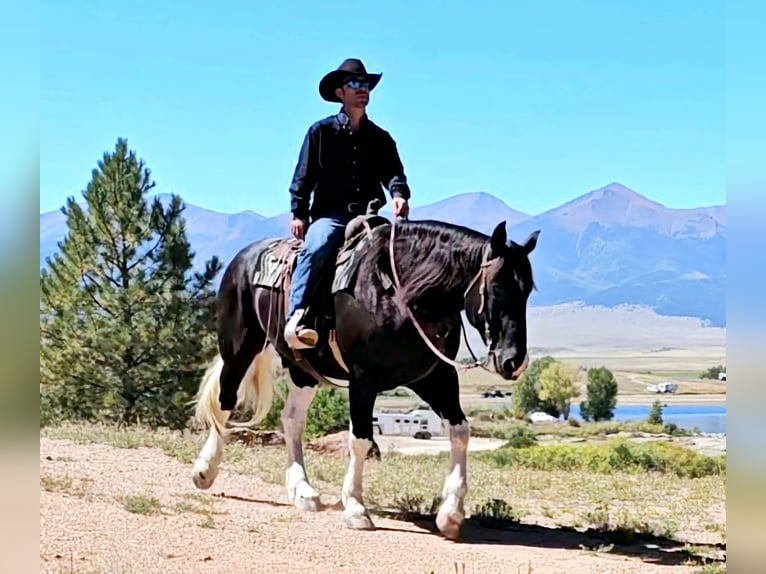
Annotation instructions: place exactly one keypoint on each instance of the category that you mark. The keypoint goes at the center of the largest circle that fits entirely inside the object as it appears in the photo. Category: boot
(297, 335)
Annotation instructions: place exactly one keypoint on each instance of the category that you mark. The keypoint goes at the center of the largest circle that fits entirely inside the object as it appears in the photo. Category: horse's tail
(256, 392)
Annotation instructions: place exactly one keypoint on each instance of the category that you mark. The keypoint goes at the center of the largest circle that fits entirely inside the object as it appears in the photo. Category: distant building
(408, 424)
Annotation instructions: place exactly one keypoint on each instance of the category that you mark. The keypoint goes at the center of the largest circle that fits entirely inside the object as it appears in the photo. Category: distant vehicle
(541, 417)
(663, 388)
(722, 376)
(495, 394)
(418, 423)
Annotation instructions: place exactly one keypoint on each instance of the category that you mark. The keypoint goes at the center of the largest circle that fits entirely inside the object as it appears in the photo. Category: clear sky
(534, 102)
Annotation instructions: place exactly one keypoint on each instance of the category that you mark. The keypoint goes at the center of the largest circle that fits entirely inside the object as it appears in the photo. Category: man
(344, 160)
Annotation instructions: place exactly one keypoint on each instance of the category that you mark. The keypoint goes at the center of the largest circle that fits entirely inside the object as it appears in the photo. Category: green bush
(617, 455)
(520, 437)
(328, 413)
(713, 372)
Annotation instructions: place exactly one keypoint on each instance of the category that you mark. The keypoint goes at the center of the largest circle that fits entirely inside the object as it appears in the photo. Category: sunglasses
(357, 83)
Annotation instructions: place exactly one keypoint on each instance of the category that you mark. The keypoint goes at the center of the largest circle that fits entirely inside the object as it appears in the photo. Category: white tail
(256, 391)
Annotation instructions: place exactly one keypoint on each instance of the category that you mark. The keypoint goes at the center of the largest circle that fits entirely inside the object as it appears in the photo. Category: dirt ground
(243, 524)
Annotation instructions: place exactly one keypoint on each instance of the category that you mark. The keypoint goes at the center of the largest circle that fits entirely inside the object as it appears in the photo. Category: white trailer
(422, 422)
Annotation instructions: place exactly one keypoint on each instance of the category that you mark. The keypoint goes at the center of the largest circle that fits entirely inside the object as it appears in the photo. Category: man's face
(355, 93)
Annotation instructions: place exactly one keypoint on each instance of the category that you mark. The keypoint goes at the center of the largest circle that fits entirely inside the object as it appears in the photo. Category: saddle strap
(333, 342)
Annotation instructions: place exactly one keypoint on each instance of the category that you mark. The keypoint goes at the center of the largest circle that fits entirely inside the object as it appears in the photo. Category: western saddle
(276, 264)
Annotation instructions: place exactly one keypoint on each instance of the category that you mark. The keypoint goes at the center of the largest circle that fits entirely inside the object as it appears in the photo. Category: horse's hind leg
(302, 392)
(441, 390)
(226, 375)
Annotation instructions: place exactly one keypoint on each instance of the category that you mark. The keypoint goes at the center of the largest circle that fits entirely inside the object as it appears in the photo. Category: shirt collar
(344, 121)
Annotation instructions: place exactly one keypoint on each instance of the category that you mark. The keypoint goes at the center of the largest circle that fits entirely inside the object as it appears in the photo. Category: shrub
(713, 372)
(328, 413)
(617, 455)
(520, 437)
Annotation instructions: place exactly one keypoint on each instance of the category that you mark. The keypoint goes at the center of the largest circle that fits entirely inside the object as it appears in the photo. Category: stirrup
(298, 336)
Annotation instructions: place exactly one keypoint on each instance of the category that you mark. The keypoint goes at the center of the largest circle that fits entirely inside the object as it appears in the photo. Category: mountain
(613, 246)
(609, 247)
(478, 210)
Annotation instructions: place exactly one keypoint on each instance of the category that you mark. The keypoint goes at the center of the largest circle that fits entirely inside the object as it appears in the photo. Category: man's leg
(323, 239)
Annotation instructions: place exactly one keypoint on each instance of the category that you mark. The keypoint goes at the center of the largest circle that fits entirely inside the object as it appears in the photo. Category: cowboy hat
(350, 68)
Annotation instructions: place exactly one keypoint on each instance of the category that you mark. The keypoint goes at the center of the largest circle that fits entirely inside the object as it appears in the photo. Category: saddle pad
(347, 263)
(276, 262)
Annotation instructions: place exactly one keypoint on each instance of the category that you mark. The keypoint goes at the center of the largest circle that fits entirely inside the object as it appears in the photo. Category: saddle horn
(373, 207)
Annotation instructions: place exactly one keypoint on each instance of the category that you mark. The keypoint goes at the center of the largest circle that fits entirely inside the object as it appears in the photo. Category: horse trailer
(423, 423)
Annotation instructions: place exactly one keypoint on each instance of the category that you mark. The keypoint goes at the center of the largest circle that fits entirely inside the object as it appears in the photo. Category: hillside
(608, 247)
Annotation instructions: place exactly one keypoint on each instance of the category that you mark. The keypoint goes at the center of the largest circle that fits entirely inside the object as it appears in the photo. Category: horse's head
(498, 305)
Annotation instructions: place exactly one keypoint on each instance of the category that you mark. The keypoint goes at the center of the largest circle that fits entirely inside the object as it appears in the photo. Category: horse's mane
(434, 255)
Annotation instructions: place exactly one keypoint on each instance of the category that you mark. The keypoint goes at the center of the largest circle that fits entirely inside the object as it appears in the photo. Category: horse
(393, 320)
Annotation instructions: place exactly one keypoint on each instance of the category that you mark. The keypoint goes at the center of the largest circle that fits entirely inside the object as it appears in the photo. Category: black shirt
(345, 169)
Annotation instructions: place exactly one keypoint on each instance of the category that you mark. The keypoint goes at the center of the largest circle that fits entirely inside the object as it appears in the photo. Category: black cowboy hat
(350, 68)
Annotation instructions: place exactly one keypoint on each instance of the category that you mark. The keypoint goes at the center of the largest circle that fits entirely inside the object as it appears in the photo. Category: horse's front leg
(362, 401)
(299, 492)
(452, 511)
(441, 390)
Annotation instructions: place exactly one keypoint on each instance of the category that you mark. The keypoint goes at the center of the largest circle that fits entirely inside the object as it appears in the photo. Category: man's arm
(305, 177)
(392, 174)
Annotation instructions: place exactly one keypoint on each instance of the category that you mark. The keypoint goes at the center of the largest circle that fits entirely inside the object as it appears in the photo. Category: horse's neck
(446, 269)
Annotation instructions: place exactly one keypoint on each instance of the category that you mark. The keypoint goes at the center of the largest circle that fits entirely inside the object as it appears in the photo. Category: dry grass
(662, 504)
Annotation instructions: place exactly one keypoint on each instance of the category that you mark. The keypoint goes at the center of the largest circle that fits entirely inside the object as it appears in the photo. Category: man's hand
(400, 206)
(298, 228)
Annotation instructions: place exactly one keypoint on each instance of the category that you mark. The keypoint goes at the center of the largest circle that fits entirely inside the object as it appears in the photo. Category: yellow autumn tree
(558, 386)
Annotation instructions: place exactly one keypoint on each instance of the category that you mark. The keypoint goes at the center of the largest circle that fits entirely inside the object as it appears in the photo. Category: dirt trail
(250, 528)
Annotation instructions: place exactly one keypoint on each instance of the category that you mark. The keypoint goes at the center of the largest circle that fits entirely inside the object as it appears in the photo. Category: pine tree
(655, 413)
(125, 325)
(602, 395)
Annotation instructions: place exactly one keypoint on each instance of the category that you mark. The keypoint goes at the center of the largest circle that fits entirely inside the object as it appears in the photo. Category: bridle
(481, 276)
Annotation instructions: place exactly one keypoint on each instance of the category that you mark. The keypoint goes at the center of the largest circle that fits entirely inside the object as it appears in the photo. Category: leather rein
(480, 276)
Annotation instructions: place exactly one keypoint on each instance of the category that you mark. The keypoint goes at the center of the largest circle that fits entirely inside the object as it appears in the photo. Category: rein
(423, 335)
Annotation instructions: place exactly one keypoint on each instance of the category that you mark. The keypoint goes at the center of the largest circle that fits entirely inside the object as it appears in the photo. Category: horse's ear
(498, 240)
(531, 242)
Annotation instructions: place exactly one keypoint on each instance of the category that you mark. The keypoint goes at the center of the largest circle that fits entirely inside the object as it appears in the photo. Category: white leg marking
(209, 459)
(355, 515)
(452, 512)
(299, 491)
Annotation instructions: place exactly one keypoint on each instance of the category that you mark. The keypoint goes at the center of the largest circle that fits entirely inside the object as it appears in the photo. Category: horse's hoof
(307, 504)
(203, 480)
(449, 524)
(357, 521)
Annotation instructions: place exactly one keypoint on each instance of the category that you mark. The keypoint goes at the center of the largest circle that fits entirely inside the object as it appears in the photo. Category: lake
(709, 418)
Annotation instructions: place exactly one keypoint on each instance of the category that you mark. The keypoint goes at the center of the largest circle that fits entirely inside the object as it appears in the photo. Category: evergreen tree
(602, 395)
(125, 326)
(655, 413)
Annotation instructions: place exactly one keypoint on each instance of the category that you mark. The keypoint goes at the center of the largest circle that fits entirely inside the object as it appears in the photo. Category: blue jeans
(322, 242)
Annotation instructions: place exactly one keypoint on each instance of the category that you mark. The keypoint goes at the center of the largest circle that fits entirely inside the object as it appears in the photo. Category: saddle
(276, 265)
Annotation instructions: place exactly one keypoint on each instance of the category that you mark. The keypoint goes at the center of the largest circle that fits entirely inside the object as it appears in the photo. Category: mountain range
(608, 247)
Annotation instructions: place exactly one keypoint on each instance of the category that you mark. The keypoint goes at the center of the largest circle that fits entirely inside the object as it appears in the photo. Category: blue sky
(535, 103)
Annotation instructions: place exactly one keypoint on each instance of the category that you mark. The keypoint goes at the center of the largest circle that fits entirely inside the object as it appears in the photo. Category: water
(708, 418)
